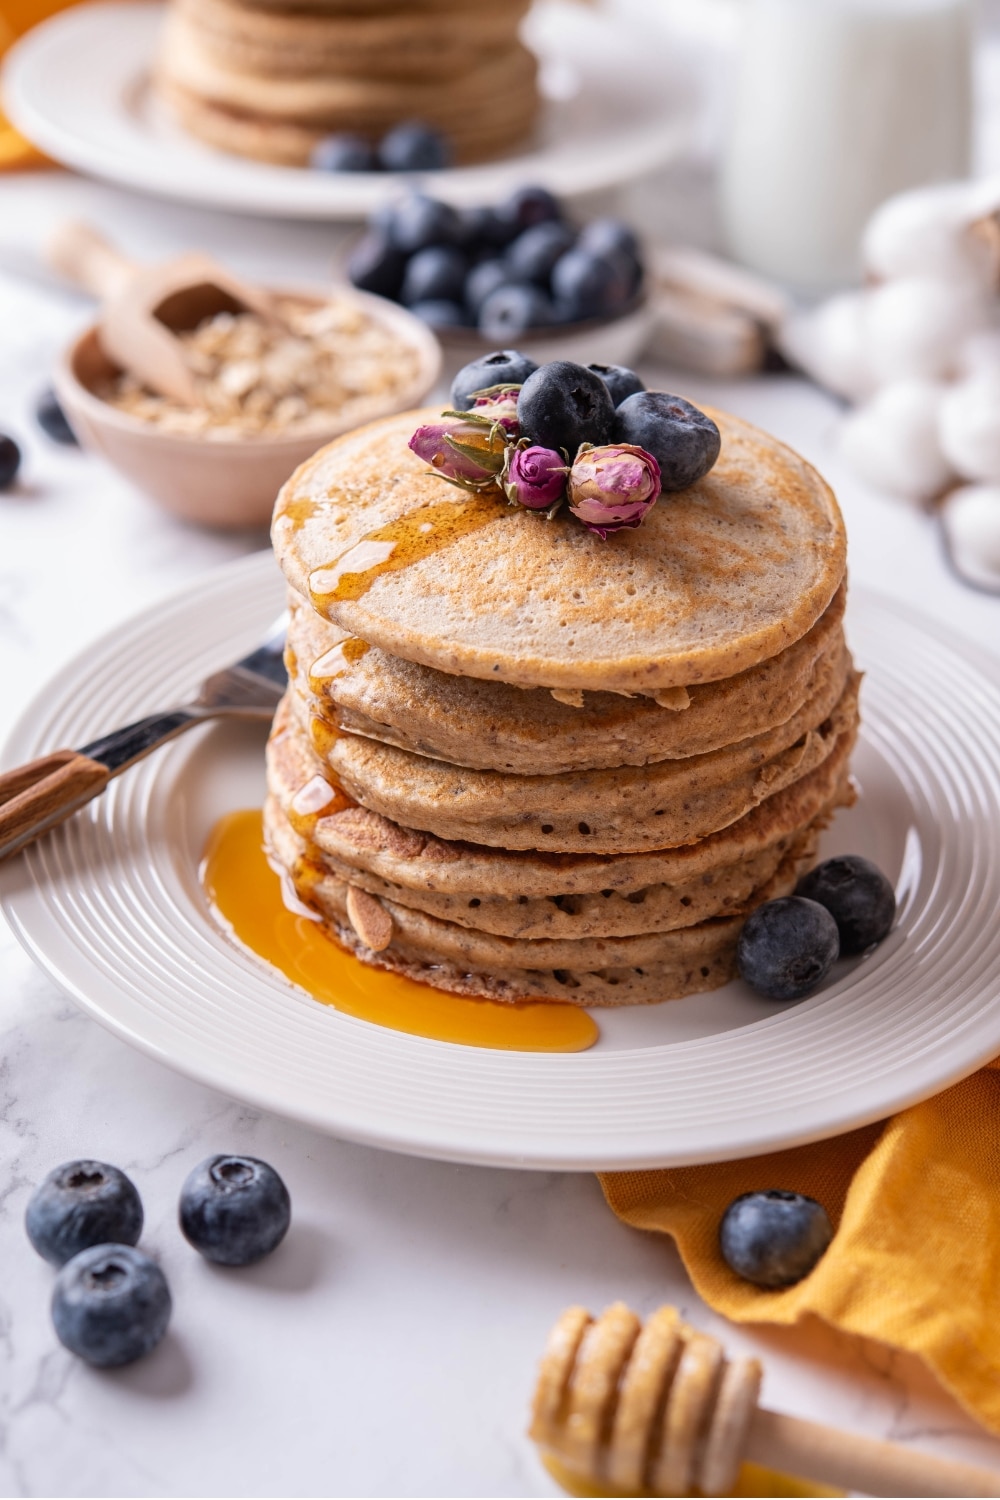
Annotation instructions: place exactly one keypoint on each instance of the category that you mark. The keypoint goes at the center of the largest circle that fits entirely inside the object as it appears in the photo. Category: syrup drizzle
(401, 543)
(753, 1480)
(246, 894)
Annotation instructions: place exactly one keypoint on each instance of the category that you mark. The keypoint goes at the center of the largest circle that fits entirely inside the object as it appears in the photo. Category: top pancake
(718, 577)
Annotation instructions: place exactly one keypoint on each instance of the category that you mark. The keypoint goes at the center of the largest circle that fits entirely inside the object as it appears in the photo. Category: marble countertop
(388, 1347)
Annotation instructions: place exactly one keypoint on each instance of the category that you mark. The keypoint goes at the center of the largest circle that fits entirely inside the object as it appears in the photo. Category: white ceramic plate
(111, 907)
(78, 87)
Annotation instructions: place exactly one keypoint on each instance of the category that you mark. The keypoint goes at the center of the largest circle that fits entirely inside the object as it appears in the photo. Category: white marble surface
(388, 1347)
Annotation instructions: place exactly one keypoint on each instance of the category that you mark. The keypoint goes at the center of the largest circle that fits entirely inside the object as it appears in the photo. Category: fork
(37, 796)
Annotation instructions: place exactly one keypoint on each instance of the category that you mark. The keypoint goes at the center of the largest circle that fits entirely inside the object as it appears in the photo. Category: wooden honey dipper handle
(658, 1409)
(848, 1462)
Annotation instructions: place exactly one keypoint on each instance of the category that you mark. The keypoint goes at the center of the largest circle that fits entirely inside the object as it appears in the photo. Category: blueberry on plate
(234, 1210)
(343, 152)
(481, 281)
(111, 1305)
(502, 367)
(682, 439)
(418, 221)
(774, 1238)
(787, 947)
(529, 205)
(563, 405)
(536, 250)
(440, 313)
(857, 895)
(376, 265)
(590, 286)
(436, 274)
(513, 309)
(620, 381)
(79, 1204)
(52, 419)
(609, 237)
(413, 147)
(10, 461)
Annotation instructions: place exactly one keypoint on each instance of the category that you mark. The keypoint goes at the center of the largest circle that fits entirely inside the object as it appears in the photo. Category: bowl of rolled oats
(270, 395)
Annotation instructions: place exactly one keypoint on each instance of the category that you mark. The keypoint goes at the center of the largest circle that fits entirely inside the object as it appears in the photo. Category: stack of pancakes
(515, 760)
(269, 79)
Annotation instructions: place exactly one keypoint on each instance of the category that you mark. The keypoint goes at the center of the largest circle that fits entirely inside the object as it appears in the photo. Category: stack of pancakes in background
(515, 760)
(270, 80)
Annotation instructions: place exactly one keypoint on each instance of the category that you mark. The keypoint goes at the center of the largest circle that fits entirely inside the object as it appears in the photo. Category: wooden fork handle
(35, 797)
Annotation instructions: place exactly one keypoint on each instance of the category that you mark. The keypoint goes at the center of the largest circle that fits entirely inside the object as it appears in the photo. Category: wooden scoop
(626, 1409)
(145, 307)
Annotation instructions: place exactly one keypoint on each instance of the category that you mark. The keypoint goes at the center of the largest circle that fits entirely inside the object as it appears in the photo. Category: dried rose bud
(535, 477)
(612, 487)
(500, 405)
(468, 453)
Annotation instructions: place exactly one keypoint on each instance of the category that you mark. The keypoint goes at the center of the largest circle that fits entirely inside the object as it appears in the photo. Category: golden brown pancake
(718, 578)
(496, 726)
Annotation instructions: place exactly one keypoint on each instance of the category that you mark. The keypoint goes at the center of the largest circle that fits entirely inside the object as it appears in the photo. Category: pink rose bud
(535, 477)
(464, 451)
(613, 487)
(501, 406)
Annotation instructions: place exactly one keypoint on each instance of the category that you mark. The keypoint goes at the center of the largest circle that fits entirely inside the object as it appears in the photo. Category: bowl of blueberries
(518, 270)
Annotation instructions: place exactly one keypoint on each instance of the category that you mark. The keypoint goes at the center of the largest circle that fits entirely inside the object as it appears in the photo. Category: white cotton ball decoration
(916, 327)
(892, 441)
(970, 518)
(933, 231)
(828, 344)
(970, 427)
(980, 354)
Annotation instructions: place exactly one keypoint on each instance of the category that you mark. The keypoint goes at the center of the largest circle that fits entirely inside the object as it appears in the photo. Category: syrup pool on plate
(246, 894)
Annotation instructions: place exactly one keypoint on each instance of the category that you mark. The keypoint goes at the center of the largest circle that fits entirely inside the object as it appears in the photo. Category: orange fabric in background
(16, 17)
(915, 1261)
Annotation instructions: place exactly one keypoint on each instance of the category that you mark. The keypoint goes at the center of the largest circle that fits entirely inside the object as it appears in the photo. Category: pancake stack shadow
(600, 846)
(270, 80)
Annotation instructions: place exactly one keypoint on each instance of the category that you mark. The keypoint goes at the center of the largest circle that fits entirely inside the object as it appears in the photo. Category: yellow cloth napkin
(16, 16)
(916, 1257)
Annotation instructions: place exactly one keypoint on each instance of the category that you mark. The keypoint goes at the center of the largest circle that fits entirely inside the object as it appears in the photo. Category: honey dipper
(658, 1409)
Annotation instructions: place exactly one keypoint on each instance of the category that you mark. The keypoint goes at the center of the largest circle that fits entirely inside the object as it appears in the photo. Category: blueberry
(513, 309)
(485, 228)
(82, 1203)
(436, 274)
(234, 1209)
(376, 265)
(111, 1305)
(529, 205)
(609, 237)
(502, 367)
(536, 250)
(10, 461)
(441, 313)
(343, 153)
(563, 405)
(620, 381)
(414, 147)
(858, 897)
(481, 281)
(591, 286)
(787, 947)
(52, 419)
(684, 442)
(418, 221)
(774, 1238)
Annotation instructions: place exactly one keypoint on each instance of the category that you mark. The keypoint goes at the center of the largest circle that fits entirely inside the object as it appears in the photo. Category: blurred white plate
(78, 87)
(110, 906)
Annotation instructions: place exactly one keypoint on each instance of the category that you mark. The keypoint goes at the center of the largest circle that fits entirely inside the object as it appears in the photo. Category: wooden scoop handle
(35, 797)
(86, 257)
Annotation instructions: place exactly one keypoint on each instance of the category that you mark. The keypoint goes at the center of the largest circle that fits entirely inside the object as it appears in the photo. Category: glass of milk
(838, 104)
